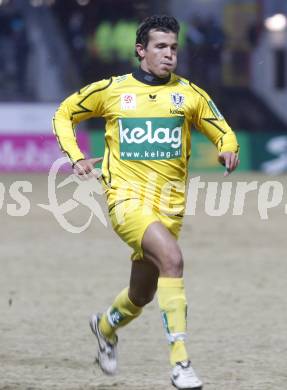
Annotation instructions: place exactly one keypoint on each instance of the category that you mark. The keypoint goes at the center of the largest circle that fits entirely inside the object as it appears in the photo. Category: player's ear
(140, 50)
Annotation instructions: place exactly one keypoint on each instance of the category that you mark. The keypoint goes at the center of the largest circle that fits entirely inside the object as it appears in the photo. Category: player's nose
(168, 52)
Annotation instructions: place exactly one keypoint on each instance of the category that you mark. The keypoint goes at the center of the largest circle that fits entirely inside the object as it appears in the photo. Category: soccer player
(148, 114)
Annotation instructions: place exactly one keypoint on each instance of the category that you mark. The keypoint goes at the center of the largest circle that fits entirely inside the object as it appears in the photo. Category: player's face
(160, 55)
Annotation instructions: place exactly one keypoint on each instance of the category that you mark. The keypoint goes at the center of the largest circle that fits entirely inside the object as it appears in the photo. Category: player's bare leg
(161, 248)
(143, 282)
(161, 268)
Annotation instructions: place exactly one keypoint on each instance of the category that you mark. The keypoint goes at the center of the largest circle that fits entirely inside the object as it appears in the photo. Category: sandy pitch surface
(52, 280)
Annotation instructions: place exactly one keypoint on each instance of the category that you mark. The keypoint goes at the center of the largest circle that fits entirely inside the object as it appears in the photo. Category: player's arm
(209, 121)
(82, 105)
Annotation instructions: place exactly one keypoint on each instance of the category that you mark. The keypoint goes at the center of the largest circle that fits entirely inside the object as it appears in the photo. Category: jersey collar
(149, 78)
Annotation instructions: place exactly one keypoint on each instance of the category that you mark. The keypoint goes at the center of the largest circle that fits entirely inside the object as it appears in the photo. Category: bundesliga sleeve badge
(128, 101)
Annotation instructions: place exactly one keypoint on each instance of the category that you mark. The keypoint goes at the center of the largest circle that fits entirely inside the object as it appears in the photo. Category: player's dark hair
(157, 22)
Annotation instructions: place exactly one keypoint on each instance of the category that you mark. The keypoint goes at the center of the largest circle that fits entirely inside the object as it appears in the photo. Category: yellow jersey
(147, 135)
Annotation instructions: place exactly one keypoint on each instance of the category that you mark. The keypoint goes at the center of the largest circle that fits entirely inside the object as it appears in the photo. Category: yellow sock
(173, 307)
(119, 314)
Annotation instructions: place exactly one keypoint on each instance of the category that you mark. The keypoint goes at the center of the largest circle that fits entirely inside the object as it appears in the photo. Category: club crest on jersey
(177, 99)
(128, 101)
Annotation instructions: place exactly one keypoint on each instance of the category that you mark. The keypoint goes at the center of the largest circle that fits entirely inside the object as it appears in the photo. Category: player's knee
(172, 262)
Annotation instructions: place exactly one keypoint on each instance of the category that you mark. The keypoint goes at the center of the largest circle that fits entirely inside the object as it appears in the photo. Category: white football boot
(184, 377)
(107, 352)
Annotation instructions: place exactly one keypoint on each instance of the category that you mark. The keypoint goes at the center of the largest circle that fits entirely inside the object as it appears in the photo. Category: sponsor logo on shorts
(150, 138)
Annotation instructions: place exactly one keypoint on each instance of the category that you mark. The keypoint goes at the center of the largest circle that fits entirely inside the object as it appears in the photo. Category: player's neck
(149, 78)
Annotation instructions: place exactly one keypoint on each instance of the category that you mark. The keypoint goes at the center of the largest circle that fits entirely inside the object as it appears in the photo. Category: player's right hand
(86, 167)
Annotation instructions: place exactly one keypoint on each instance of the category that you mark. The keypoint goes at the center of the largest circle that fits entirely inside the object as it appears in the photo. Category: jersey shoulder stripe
(182, 81)
(95, 87)
(59, 139)
(217, 117)
(199, 91)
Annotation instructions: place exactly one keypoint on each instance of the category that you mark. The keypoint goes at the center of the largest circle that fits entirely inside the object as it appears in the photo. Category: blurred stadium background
(236, 50)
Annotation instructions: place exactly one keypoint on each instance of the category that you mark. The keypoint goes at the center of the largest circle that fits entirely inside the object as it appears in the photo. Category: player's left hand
(229, 160)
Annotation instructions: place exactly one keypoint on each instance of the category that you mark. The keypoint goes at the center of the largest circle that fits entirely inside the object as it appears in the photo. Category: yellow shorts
(130, 219)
